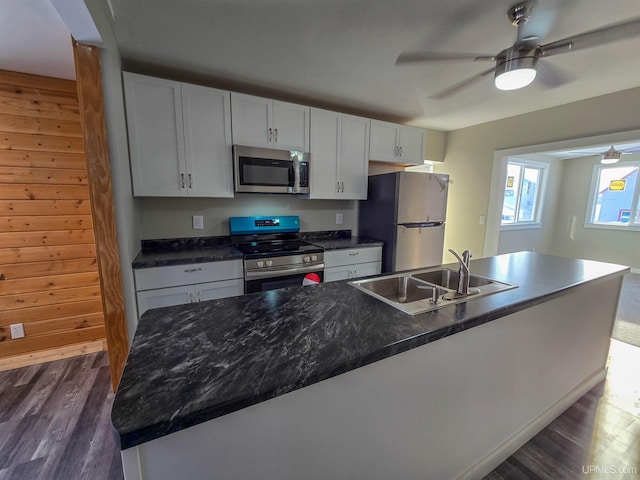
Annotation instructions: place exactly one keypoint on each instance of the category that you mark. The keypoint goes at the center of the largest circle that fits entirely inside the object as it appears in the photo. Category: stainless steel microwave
(265, 170)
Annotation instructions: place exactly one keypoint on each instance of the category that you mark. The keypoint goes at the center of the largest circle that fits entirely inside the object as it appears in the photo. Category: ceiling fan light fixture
(516, 73)
(610, 157)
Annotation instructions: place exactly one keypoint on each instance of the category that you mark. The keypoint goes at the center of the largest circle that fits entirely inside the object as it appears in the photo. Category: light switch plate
(198, 222)
(339, 219)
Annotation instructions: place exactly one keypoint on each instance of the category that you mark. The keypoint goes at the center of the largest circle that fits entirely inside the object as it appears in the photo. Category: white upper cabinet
(207, 137)
(179, 138)
(395, 143)
(156, 136)
(261, 122)
(339, 155)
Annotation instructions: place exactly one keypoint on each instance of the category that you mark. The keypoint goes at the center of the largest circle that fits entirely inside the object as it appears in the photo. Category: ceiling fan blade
(460, 85)
(416, 57)
(552, 76)
(593, 38)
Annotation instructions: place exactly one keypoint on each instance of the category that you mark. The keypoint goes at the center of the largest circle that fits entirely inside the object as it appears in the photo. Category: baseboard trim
(51, 354)
(517, 440)
(635, 270)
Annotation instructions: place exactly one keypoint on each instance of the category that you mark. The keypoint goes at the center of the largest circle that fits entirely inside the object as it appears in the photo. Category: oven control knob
(269, 263)
(314, 258)
(306, 259)
(260, 263)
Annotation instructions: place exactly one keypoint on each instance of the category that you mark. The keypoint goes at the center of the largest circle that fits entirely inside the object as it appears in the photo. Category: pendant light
(611, 156)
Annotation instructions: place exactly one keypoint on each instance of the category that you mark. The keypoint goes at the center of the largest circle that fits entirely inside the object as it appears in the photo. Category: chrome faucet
(463, 272)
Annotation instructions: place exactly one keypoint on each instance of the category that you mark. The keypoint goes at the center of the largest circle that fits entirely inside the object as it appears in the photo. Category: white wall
(171, 217)
(571, 238)
(470, 152)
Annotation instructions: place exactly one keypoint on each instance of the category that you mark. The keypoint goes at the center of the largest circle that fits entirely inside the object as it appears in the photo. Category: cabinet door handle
(198, 296)
(190, 181)
(337, 187)
(182, 180)
(190, 297)
(401, 151)
(189, 270)
(342, 187)
(270, 135)
(355, 274)
(276, 130)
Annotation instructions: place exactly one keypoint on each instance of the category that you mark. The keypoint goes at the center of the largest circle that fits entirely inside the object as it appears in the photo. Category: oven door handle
(283, 272)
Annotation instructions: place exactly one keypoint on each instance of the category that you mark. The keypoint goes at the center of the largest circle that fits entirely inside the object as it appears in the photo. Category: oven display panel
(272, 222)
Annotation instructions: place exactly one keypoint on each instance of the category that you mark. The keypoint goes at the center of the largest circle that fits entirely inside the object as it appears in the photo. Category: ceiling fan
(613, 156)
(516, 66)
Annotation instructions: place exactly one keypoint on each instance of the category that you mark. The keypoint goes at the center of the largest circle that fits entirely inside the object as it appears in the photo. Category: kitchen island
(328, 382)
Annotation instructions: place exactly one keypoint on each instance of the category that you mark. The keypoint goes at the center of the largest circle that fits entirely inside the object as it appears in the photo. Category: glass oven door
(261, 281)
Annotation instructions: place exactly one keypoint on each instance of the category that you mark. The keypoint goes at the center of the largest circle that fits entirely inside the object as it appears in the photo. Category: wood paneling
(27, 224)
(47, 250)
(44, 207)
(31, 239)
(27, 159)
(27, 141)
(41, 254)
(89, 80)
(51, 354)
(39, 126)
(39, 299)
(23, 106)
(43, 175)
(50, 312)
(41, 342)
(35, 269)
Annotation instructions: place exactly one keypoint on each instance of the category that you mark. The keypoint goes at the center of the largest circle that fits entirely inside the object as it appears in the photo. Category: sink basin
(402, 289)
(449, 278)
(412, 292)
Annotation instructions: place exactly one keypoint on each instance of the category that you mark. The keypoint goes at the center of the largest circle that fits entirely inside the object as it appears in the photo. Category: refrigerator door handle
(420, 224)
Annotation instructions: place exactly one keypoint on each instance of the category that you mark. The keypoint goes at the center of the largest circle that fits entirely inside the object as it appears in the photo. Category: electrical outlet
(17, 330)
(482, 219)
(338, 219)
(198, 222)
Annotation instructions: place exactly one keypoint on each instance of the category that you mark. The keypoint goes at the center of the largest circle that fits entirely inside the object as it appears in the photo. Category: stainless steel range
(274, 254)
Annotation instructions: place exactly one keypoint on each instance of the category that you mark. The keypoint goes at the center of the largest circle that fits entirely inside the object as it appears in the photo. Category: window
(523, 191)
(614, 196)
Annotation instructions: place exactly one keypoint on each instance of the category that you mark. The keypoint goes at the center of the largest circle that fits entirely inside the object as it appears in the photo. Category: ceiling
(341, 53)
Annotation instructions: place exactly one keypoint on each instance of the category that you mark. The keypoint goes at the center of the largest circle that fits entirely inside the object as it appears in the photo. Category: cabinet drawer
(175, 275)
(352, 256)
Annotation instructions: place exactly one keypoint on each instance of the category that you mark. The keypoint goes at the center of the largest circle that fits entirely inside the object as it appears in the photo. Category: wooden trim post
(89, 83)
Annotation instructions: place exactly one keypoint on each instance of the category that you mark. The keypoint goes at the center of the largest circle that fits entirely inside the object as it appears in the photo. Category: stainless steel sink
(413, 292)
(401, 289)
(449, 278)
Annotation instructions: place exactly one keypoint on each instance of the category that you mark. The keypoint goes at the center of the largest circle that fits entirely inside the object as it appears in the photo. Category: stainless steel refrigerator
(407, 211)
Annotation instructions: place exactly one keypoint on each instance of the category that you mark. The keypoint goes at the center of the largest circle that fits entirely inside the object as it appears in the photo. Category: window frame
(544, 168)
(593, 196)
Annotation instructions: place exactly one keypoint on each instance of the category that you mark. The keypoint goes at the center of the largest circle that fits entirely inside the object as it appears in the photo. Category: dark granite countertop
(192, 363)
(183, 251)
(339, 240)
(344, 243)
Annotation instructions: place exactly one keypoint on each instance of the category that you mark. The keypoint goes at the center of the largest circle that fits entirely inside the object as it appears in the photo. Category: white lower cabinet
(352, 263)
(179, 284)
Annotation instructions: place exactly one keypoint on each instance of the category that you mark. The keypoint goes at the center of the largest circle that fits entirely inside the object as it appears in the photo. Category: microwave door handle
(296, 176)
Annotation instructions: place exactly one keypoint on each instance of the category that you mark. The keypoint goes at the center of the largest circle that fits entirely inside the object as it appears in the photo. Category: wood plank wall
(47, 251)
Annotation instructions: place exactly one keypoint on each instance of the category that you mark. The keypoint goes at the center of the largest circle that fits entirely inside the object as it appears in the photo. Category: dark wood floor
(55, 421)
(598, 437)
(55, 424)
